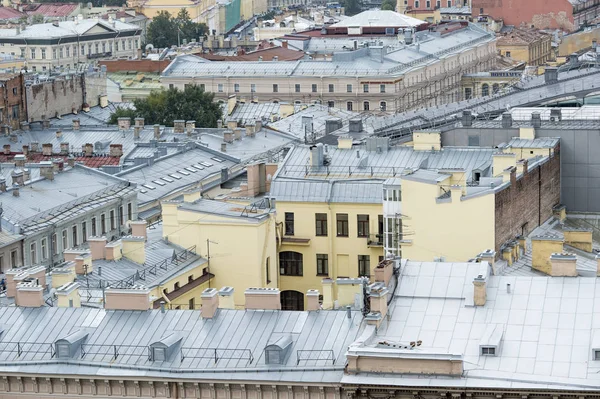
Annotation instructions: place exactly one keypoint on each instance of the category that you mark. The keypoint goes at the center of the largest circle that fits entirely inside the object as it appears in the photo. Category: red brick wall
(543, 14)
(11, 94)
(529, 201)
(135, 65)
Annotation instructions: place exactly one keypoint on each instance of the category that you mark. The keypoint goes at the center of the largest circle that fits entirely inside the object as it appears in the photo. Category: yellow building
(482, 84)
(237, 239)
(526, 45)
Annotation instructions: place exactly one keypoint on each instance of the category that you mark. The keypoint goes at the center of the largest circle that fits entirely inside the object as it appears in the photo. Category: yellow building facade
(238, 242)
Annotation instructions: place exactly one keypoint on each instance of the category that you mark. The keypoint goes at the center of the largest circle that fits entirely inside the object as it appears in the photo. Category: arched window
(383, 106)
(366, 105)
(290, 263)
(292, 300)
(485, 90)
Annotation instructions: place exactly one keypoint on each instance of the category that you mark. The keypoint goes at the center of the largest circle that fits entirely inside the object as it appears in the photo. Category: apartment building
(526, 45)
(56, 207)
(484, 84)
(433, 11)
(67, 44)
(13, 108)
(375, 77)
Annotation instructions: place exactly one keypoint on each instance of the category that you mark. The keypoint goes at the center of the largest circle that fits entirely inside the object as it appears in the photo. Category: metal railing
(216, 354)
(375, 239)
(315, 355)
(115, 351)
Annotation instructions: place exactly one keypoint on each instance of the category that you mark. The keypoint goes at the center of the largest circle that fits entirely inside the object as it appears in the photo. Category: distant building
(13, 109)
(484, 84)
(434, 11)
(364, 74)
(52, 11)
(70, 43)
(526, 45)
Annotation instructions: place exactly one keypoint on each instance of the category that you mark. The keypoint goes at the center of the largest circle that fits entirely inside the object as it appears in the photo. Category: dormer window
(488, 351)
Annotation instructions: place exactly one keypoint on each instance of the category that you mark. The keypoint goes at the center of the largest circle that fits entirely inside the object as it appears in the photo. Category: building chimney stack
(263, 298)
(226, 300)
(156, 132)
(312, 300)
(136, 297)
(29, 294)
(97, 245)
(76, 124)
(138, 228)
(210, 303)
(46, 149)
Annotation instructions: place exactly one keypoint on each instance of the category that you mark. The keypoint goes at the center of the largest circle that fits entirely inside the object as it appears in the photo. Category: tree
(165, 30)
(121, 113)
(165, 106)
(389, 5)
(352, 7)
(37, 19)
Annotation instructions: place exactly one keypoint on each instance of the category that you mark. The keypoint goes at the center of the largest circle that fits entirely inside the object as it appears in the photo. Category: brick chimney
(26, 151)
(250, 132)
(312, 300)
(384, 270)
(29, 295)
(38, 273)
(134, 248)
(138, 228)
(179, 126)
(237, 133)
(46, 149)
(124, 123)
(35, 146)
(6, 149)
(64, 148)
(210, 303)
(189, 127)
(137, 130)
(17, 177)
(136, 297)
(11, 284)
(263, 298)
(76, 124)
(378, 300)
(157, 132)
(19, 160)
(63, 274)
(97, 245)
(563, 265)
(88, 149)
(480, 286)
(113, 250)
(59, 134)
(116, 150)
(69, 255)
(15, 190)
(139, 122)
(83, 264)
(2, 185)
(228, 136)
(67, 295)
(226, 298)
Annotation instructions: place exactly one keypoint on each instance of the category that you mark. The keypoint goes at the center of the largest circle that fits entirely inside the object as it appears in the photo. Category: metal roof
(333, 191)
(225, 209)
(517, 142)
(64, 29)
(379, 18)
(238, 337)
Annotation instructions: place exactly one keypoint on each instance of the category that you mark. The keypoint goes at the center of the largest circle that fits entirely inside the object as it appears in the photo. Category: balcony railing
(375, 240)
(99, 55)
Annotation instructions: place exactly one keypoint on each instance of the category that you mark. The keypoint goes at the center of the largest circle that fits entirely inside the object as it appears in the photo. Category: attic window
(491, 351)
(159, 354)
(276, 353)
(273, 356)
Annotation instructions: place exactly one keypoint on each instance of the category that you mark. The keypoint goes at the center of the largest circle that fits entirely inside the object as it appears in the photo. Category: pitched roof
(10, 13)
(50, 9)
(282, 54)
(379, 18)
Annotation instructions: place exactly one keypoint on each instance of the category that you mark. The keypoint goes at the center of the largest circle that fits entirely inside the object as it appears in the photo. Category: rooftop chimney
(316, 155)
(6, 149)
(467, 118)
(139, 122)
(189, 127)
(179, 126)
(11, 283)
(63, 274)
(64, 148)
(29, 294)
(17, 177)
(83, 264)
(35, 146)
(97, 245)
(480, 285)
(157, 132)
(25, 150)
(116, 150)
(550, 75)
(2, 185)
(136, 297)
(228, 136)
(138, 228)
(59, 134)
(263, 298)
(124, 123)
(210, 303)
(19, 160)
(136, 132)
(134, 249)
(113, 250)
(67, 295)
(88, 149)
(226, 298)
(46, 149)
(563, 264)
(378, 300)
(312, 300)
(15, 190)
(76, 124)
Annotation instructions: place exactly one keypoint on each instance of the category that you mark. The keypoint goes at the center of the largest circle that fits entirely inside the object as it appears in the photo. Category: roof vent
(162, 350)
(277, 352)
(68, 346)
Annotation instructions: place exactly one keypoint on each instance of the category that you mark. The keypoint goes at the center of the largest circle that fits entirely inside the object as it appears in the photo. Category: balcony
(375, 240)
(287, 240)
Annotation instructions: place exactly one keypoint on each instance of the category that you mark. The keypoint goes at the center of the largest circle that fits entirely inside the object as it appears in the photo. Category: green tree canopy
(389, 5)
(165, 106)
(352, 7)
(166, 30)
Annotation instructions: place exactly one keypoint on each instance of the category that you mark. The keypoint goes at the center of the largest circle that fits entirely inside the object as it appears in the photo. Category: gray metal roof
(226, 209)
(64, 29)
(237, 336)
(517, 142)
(44, 202)
(334, 191)
(379, 18)
(96, 116)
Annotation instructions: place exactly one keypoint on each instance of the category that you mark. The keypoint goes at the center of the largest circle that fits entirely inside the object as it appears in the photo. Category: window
(65, 240)
(220, 87)
(44, 248)
(275, 88)
(349, 105)
(485, 90)
(192, 303)
(363, 225)
(2, 263)
(290, 300)
(342, 224)
(289, 223)
(97, 48)
(290, 263)
(68, 50)
(236, 87)
(488, 351)
(314, 88)
(112, 220)
(13, 258)
(43, 53)
(366, 88)
(297, 87)
(321, 224)
(366, 106)
(331, 88)
(331, 104)
(596, 354)
(495, 88)
(383, 106)
(428, 4)
(74, 231)
(382, 88)
(32, 53)
(121, 211)
(103, 49)
(15, 112)
(103, 223)
(468, 93)
(364, 265)
(449, 4)
(252, 88)
(349, 88)
(322, 265)
(15, 91)
(508, 54)
(417, 4)
(84, 236)
(82, 50)
(202, 86)
(33, 253)
(268, 269)
(94, 233)
(130, 211)
(22, 52)
(54, 244)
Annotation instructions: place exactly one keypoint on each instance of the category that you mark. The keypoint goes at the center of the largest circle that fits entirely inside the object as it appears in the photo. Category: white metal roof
(379, 18)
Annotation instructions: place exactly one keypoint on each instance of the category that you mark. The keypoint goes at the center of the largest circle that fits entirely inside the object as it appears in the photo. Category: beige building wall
(342, 252)
(240, 251)
(428, 223)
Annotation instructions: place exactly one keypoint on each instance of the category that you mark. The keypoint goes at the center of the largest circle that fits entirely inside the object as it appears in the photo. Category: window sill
(291, 275)
(322, 275)
(320, 235)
